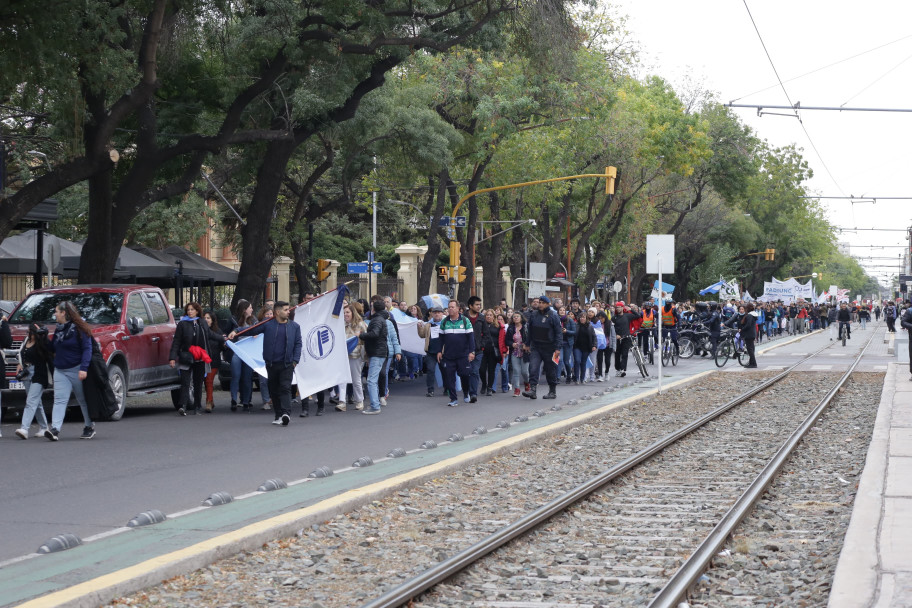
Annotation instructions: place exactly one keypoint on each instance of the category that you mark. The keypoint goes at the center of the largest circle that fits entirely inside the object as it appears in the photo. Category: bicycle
(638, 357)
(843, 332)
(725, 350)
(669, 352)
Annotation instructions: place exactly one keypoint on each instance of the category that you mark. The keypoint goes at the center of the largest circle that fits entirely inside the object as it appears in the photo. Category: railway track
(642, 532)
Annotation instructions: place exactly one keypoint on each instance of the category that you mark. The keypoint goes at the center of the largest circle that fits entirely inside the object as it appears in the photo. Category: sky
(715, 43)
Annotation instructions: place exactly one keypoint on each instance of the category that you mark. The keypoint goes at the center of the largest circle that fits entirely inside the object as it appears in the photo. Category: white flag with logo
(324, 354)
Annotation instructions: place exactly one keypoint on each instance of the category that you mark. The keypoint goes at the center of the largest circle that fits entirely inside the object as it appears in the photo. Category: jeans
(241, 376)
(67, 381)
(33, 406)
(579, 365)
(505, 374)
(475, 375)
(354, 366)
(519, 371)
(414, 363)
(567, 358)
(264, 389)
(374, 367)
(196, 373)
(863, 322)
(280, 376)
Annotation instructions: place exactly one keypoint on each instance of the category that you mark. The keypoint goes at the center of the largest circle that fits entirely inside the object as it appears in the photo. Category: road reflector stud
(270, 485)
(455, 437)
(556, 407)
(539, 413)
(61, 542)
(522, 418)
(430, 444)
(480, 430)
(320, 473)
(572, 402)
(503, 424)
(218, 498)
(147, 518)
(364, 461)
(396, 453)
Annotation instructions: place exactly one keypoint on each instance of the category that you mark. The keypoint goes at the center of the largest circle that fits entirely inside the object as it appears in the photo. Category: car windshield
(95, 308)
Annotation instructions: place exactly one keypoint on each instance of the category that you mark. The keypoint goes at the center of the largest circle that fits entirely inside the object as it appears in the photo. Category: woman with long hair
(34, 367)
(191, 341)
(517, 340)
(354, 327)
(216, 343)
(265, 314)
(241, 373)
(72, 348)
(490, 346)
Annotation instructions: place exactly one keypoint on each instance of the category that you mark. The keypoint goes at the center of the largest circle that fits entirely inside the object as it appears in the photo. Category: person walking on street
(473, 314)
(845, 319)
(546, 334)
(584, 346)
(621, 322)
(354, 327)
(375, 346)
(490, 348)
(216, 343)
(747, 325)
(906, 323)
(457, 351)
(517, 339)
(72, 348)
(34, 368)
(890, 317)
(191, 342)
(282, 346)
(430, 331)
(241, 374)
(568, 322)
(6, 340)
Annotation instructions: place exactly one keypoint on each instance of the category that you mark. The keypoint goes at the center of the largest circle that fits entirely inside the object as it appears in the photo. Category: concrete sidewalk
(875, 566)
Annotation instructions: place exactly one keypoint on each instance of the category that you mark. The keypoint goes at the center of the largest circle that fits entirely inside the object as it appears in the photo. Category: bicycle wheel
(640, 361)
(724, 352)
(686, 348)
(675, 354)
(666, 355)
(742, 357)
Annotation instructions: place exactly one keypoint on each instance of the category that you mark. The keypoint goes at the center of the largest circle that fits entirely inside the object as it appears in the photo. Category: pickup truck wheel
(118, 381)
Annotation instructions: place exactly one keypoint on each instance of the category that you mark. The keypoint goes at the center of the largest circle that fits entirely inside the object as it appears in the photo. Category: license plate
(17, 386)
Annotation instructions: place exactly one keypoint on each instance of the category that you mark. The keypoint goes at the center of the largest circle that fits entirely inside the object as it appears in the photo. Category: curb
(106, 588)
(856, 581)
(789, 341)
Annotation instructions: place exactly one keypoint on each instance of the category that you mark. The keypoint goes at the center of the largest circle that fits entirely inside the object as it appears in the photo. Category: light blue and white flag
(714, 288)
(409, 339)
(250, 350)
(747, 297)
(435, 299)
(324, 356)
(665, 294)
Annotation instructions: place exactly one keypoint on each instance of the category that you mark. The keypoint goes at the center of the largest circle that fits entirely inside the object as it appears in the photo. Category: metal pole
(661, 307)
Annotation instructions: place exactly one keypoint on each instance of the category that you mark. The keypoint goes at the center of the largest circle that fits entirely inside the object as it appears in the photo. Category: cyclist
(713, 321)
(844, 316)
(622, 319)
(670, 320)
(647, 327)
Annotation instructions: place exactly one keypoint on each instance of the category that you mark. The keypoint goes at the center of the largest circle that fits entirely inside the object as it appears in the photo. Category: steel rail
(691, 570)
(443, 570)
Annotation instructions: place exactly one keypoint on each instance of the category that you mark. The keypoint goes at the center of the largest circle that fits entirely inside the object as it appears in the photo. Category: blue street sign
(370, 256)
(459, 221)
(357, 268)
(377, 267)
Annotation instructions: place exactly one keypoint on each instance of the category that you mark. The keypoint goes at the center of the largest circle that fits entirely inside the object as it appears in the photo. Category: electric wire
(798, 116)
(881, 77)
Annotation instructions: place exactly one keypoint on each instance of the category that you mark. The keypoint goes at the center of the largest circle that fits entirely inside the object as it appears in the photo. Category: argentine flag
(714, 288)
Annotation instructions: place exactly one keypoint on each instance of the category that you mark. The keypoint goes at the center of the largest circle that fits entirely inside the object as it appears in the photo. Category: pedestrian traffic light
(322, 270)
(610, 177)
(769, 255)
(444, 273)
(460, 274)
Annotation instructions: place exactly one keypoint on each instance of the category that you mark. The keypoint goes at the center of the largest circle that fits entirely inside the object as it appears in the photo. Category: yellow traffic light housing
(610, 177)
(444, 273)
(322, 270)
(769, 255)
(460, 274)
(454, 253)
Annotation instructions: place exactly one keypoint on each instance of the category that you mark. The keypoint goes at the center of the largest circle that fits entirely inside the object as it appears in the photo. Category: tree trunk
(491, 258)
(428, 264)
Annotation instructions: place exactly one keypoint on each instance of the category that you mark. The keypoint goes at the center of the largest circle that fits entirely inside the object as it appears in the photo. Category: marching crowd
(468, 348)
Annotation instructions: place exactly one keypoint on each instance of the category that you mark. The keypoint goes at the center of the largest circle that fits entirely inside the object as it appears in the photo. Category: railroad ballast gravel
(357, 556)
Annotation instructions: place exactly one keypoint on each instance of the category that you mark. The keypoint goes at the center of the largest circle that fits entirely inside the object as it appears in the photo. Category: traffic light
(769, 255)
(460, 274)
(454, 253)
(444, 273)
(610, 177)
(322, 270)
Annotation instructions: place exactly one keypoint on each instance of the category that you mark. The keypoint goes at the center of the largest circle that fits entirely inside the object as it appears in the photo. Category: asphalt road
(153, 459)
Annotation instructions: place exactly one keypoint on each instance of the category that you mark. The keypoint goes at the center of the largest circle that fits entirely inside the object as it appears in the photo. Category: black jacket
(100, 399)
(42, 362)
(906, 321)
(187, 334)
(375, 337)
(585, 338)
(747, 325)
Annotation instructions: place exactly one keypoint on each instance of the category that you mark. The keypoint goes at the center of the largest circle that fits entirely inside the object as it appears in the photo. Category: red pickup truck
(133, 325)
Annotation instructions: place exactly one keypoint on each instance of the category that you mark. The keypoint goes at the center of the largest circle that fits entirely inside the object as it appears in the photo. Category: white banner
(805, 291)
(409, 339)
(731, 292)
(778, 291)
(324, 356)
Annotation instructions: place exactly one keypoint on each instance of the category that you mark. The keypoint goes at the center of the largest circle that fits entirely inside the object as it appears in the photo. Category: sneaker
(277, 422)
(359, 406)
(467, 399)
(430, 393)
(473, 398)
(181, 411)
(267, 406)
(340, 407)
(285, 419)
(22, 433)
(516, 392)
(52, 434)
(453, 403)
(623, 374)
(87, 432)
(370, 412)
(382, 401)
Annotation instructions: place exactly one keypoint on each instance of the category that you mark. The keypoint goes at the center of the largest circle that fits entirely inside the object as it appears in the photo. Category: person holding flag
(282, 346)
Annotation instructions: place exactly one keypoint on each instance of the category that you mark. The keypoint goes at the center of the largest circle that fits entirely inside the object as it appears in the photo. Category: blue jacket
(293, 341)
(457, 338)
(71, 348)
(545, 329)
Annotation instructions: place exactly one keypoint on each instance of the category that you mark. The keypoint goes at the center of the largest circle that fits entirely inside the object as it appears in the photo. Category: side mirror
(136, 325)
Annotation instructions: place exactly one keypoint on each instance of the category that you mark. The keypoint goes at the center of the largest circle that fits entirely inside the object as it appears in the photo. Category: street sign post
(457, 222)
(660, 251)
(357, 268)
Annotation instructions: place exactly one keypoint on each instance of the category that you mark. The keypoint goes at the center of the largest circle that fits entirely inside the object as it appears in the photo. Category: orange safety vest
(668, 319)
(648, 320)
